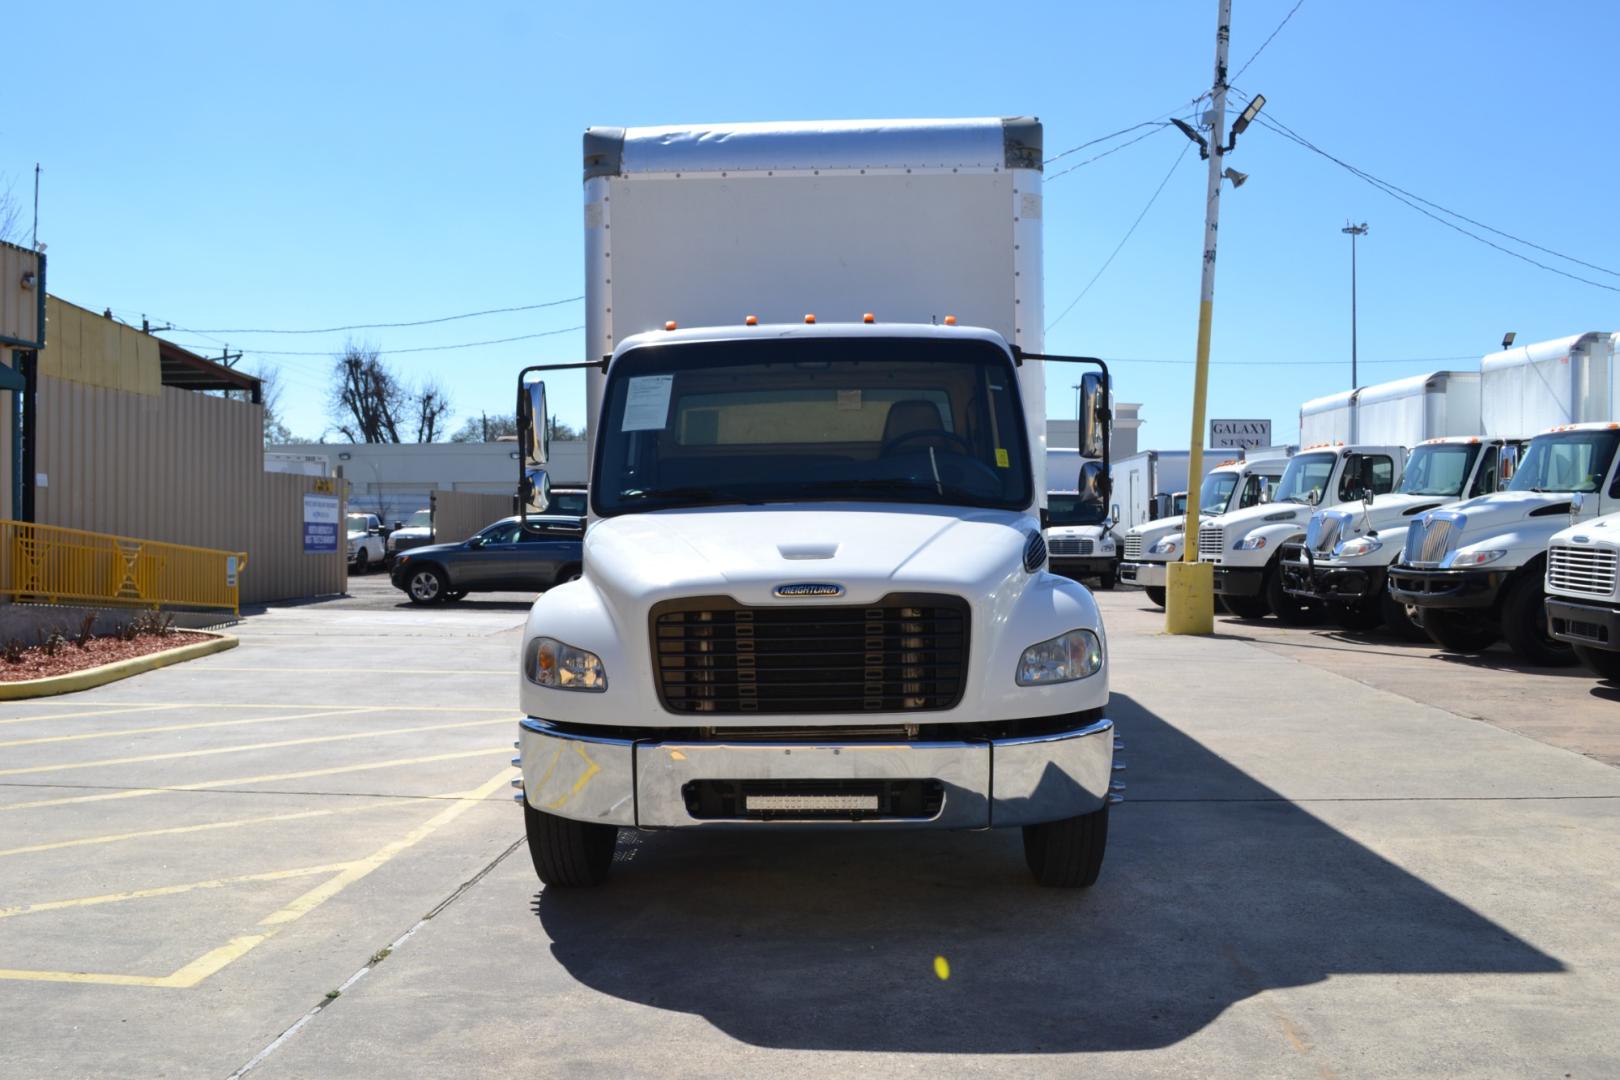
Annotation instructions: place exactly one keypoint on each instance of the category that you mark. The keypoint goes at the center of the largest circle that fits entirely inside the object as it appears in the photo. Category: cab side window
(1251, 492)
(1366, 472)
(1486, 481)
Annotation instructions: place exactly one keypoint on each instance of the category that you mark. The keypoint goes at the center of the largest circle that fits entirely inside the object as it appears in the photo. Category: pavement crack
(331, 997)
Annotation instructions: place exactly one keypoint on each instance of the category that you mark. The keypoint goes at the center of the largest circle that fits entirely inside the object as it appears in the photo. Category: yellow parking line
(168, 890)
(135, 793)
(103, 711)
(209, 963)
(143, 758)
(354, 710)
(175, 830)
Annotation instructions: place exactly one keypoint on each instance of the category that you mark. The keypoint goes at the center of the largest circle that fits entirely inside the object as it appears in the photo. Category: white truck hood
(1079, 532)
(1490, 512)
(869, 552)
(1239, 522)
(1153, 531)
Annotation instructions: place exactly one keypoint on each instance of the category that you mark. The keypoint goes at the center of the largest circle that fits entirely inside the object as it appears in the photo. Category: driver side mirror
(535, 491)
(475, 541)
(1366, 496)
(534, 430)
(1094, 417)
(1113, 515)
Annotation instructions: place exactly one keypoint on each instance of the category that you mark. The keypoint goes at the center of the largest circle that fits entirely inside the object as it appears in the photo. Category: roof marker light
(950, 320)
(670, 325)
(810, 320)
(752, 320)
(869, 318)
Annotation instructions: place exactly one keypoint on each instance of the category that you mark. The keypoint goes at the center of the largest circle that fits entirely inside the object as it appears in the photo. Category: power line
(1413, 201)
(1111, 150)
(388, 326)
(1101, 139)
(1256, 54)
(1154, 198)
(416, 349)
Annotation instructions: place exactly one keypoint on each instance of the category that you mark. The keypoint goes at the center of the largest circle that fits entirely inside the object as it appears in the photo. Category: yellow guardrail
(44, 563)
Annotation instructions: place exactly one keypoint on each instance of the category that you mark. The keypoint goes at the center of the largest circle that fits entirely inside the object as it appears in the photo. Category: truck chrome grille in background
(1323, 531)
(1060, 546)
(904, 653)
(1429, 539)
(1211, 542)
(1590, 571)
(1133, 546)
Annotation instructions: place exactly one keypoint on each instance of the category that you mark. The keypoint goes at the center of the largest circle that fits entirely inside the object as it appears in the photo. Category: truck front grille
(1588, 571)
(1133, 546)
(1069, 547)
(905, 653)
(1429, 539)
(1324, 530)
(1211, 542)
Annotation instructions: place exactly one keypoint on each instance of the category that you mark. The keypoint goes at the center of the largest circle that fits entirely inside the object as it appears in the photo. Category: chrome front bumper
(986, 783)
(1149, 575)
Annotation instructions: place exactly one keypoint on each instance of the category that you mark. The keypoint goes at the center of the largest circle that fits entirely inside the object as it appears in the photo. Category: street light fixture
(1353, 231)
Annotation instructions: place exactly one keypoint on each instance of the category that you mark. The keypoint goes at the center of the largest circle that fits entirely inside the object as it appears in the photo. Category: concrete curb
(107, 673)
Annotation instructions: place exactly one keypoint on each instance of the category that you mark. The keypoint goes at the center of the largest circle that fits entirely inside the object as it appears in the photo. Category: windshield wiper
(694, 491)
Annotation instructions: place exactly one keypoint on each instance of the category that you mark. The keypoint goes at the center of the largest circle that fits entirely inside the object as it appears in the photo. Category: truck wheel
(1105, 581)
(1246, 607)
(1399, 621)
(1367, 615)
(1067, 854)
(1458, 631)
(1290, 610)
(1603, 663)
(426, 585)
(362, 563)
(1155, 594)
(569, 854)
(1524, 624)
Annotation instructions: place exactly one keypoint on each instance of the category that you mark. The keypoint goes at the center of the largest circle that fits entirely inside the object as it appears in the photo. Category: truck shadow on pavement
(1214, 889)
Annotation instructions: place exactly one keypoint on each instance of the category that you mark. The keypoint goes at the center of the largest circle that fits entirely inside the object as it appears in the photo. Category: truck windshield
(1216, 492)
(1073, 508)
(811, 419)
(1438, 469)
(1567, 461)
(1306, 478)
(421, 519)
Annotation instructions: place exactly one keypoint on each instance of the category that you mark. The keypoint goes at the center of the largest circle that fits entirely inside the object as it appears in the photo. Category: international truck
(815, 588)
(1080, 525)
(1583, 591)
(1476, 572)
(1230, 485)
(1246, 545)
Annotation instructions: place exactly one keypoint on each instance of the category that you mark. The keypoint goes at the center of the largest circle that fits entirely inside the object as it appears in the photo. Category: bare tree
(276, 431)
(431, 406)
(485, 428)
(366, 397)
(10, 214)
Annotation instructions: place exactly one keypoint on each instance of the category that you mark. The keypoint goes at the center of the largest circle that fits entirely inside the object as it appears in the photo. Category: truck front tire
(569, 854)
(1603, 663)
(1067, 854)
(1289, 609)
(1246, 607)
(1524, 624)
(1155, 594)
(1458, 631)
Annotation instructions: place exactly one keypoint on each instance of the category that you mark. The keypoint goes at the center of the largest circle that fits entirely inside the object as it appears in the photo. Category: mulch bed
(106, 650)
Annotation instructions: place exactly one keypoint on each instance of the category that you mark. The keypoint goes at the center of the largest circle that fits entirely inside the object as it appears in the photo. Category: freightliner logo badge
(803, 590)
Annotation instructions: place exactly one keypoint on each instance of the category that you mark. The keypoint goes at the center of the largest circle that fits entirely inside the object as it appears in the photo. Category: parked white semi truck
(1583, 591)
(815, 588)
(1246, 545)
(1345, 555)
(1231, 485)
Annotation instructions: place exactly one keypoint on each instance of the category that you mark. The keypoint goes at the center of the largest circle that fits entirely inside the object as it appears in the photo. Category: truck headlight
(1473, 558)
(1361, 545)
(1166, 546)
(1064, 658)
(1250, 543)
(563, 667)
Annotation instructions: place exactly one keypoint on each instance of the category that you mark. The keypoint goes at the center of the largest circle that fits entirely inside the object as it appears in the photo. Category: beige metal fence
(459, 514)
(183, 468)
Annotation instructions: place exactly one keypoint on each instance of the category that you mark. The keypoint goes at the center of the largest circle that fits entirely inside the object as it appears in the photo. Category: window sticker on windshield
(849, 399)
(1001, 458)
(646, 403)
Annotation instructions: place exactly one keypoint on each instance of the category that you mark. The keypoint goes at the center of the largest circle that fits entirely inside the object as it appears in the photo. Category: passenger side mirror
(534, 431)
(1577, 507)
(1113, 515)
(1094, 416)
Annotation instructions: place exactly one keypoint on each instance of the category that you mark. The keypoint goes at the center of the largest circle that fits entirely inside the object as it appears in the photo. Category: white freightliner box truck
(815, 588)
(1080, 525)
(1475, 572)
(1230, 485)
(1245, 546)
(1341, 562)
(1583, 591)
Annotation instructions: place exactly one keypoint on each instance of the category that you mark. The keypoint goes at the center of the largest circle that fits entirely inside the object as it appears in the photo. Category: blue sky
(304, 165)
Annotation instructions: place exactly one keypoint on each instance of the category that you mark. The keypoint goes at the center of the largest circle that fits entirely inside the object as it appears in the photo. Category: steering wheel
(895, 443)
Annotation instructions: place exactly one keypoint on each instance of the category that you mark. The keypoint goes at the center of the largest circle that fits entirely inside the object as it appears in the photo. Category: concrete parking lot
(1340, 856)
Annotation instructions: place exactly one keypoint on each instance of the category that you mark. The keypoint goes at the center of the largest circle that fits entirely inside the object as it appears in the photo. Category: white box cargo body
(830, 231)
(1138, 478)
(1329, 419)
(1405, 412)
(1529, 388)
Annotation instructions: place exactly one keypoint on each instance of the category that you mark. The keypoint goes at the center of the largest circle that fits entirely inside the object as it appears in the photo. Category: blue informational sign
(320, 524)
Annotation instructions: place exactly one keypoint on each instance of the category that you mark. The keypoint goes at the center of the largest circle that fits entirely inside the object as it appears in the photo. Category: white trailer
(1529, 388)
(1408, 411)
(1329, 419)
(1140, 480)
(816, 396)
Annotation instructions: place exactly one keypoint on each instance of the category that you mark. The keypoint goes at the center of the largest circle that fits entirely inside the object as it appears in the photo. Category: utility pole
(1190, 585)
(1353, 231)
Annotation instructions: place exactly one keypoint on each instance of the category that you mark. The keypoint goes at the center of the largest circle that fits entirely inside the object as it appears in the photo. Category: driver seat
(910, 417)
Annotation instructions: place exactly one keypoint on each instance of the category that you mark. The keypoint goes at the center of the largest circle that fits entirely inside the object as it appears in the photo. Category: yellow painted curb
(106, 673)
